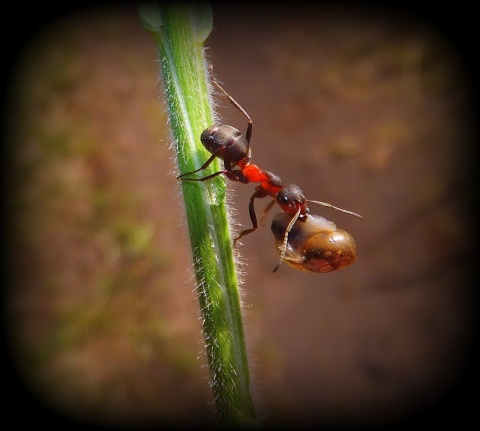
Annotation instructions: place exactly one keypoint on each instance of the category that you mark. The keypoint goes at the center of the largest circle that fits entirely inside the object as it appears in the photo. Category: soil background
(369, 109)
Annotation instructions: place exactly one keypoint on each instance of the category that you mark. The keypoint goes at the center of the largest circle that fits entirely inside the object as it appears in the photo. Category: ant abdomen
(226, 142)
(315, 245)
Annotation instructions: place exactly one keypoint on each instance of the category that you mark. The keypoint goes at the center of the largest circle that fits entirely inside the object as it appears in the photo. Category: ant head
(291, 198)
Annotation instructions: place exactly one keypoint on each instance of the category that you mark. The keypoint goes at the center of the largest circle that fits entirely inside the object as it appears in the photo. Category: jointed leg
(259, 193)
(201, 168)
(248, 134)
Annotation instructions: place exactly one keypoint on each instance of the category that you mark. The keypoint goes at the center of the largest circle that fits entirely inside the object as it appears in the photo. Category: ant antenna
(325, 204)
(285, 238)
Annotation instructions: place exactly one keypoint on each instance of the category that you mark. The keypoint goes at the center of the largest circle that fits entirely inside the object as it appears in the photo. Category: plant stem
(180, 30)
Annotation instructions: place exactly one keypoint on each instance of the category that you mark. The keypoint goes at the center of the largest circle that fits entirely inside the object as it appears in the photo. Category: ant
(228, 144)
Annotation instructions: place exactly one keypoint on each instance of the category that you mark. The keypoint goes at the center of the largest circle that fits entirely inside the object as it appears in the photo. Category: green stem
(180, 31)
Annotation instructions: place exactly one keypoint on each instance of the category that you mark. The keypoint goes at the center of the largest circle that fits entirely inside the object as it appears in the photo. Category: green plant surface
(180, 31)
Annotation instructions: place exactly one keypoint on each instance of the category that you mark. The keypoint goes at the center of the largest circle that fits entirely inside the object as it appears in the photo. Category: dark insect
(228, 144)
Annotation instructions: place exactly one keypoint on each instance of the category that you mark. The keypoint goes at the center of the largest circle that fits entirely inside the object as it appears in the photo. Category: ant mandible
(228, 144)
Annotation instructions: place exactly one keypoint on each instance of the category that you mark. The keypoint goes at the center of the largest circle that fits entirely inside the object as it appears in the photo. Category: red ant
(228, 143)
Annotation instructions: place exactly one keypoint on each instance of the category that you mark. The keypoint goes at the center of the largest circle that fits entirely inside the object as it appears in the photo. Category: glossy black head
(291, 199)
(291, 195)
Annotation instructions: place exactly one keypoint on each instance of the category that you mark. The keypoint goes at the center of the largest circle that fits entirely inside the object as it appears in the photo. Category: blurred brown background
(366, 109)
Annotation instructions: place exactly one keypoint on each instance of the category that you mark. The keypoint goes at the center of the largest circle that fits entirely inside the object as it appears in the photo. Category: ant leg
(248, 135)
(208, 177)
(233, 175)
(260, 193)
(201, 168)
(229, 174)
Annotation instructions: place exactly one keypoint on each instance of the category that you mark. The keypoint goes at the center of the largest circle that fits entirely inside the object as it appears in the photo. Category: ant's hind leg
(248, 134)
(201, 168)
